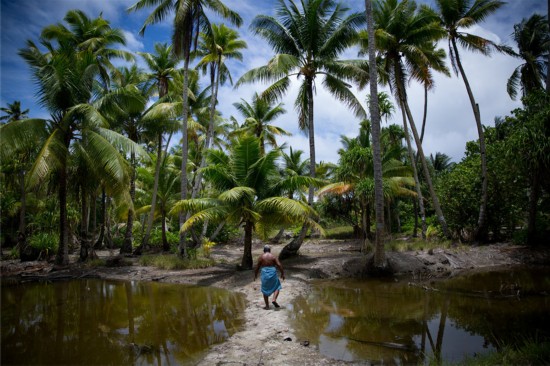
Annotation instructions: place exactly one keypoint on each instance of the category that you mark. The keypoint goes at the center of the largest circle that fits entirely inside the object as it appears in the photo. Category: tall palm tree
(456, 16)
(405, 37)
(532, 39)
(162, 65)
(308, 40)
(258, 118)
(214, 50)
(189, 20)
(129, 121)
(247, 180)
(13, 112)
(379, 257)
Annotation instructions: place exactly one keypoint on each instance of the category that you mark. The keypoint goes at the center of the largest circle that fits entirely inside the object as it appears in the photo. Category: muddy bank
(267, 338)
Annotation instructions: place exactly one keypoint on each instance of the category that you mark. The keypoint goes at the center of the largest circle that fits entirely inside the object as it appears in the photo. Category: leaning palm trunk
(185, 154)
(435, 200)
(481, 231)
(292, 248)
(379, 255)
(415, 174)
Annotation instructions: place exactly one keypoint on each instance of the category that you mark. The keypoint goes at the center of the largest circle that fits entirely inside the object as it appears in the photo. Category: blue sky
(450, 122)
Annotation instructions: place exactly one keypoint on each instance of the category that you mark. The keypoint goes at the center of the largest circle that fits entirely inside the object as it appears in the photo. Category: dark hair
(267, 248)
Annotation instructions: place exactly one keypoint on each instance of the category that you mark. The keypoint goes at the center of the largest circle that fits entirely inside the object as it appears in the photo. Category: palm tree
(162, 65)
(379, 257)
(405, 37)
(90, 35)
(456, 16)
(214, 49)
(189, 20)
(13, 112)
(64, 79)
(247, 180)
(21, 162)
(532, 39)
(307, 42)
(129, 120)
(258, 117)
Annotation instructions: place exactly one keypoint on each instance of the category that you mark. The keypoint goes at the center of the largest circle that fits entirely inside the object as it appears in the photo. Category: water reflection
(101, 322)
(391, 322)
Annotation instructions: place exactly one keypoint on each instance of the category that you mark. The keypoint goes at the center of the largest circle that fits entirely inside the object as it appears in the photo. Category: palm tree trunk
(84, 245)
(415, 174)
(21, 232)
(247, 262)
(100, 238)
(128, 235)
(62, 257)
(292, 248)
(481, 232)
(151, 216)
(435, 200)
(217, 231)
(184, 151)
(379, 255)
(165, 245)
(209, 133)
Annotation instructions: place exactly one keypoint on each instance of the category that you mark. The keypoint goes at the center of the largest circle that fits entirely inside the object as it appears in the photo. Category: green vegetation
(101, 170)
(529, 352)
(171, 262)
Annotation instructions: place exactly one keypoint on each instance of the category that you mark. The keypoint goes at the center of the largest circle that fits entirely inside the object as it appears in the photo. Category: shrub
(45, 243)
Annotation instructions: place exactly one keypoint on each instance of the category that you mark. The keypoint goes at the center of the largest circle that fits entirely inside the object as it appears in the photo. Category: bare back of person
(268, 260)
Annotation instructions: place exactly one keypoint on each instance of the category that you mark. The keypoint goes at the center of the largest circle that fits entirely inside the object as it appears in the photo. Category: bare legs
(266, 299)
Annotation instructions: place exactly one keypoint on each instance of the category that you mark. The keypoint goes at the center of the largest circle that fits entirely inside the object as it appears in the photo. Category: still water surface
(393, 323)
(96, 322)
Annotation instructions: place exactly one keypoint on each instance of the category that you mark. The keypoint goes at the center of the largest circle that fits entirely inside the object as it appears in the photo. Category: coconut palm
(405, 37)
(90, 35)
(214, 50)
(64, 80)
(162, 65)
(189, 20)
(532, 39)
(247, 180)
(258, 118)
(13, 112)
(129, 120)
(375, 112)
(307, 41)
(456, 16)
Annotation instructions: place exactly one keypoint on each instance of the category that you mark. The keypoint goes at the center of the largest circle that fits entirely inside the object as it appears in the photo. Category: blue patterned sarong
(270, 280)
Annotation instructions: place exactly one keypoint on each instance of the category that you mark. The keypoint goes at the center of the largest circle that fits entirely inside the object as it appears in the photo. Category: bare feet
(266, 307)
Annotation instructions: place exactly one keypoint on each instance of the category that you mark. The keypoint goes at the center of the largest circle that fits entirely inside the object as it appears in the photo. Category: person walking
(271, 285)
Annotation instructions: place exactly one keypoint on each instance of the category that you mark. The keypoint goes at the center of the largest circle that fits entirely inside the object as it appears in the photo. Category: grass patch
(172, 262)
(339, 232)
(415, 244)
(94, 263)
(529, 352)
